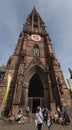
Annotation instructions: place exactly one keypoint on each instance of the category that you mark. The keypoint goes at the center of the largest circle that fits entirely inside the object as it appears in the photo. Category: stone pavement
(4, 125)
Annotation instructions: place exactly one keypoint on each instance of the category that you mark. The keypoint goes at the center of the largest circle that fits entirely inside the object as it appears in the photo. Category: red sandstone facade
(36, 75)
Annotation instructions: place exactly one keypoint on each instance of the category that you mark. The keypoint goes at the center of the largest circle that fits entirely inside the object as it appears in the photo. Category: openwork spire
(35, 23)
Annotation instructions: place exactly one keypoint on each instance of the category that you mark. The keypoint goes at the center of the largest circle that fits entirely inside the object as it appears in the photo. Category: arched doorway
(35, 93)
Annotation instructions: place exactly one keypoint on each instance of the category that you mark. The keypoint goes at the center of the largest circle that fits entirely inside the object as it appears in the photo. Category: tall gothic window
(36, 50)
(35, 21)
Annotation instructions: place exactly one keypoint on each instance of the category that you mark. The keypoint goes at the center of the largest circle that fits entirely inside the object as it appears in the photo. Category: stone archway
(38, 75)
(35, 93)
(35, 87)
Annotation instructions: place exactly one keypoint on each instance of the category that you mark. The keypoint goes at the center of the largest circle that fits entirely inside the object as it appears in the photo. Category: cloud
(57, 15)
(58, 18)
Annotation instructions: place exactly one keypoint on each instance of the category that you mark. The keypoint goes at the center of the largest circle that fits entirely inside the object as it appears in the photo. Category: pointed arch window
(35, 21)
(36, 50)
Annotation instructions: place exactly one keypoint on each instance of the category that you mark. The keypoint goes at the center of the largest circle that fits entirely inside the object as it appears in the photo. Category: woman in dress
(39, 118)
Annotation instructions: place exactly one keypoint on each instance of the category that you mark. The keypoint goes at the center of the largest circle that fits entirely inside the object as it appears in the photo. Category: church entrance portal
(36, 93)
(36, 102)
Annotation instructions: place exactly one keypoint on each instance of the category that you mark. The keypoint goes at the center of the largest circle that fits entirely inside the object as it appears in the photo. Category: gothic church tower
(37, 79)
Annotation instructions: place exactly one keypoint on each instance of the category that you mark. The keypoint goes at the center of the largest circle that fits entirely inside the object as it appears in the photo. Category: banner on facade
(7, 89)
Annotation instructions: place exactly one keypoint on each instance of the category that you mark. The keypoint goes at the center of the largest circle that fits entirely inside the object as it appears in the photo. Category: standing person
(49, 121)
(45, 114)
(39, 118)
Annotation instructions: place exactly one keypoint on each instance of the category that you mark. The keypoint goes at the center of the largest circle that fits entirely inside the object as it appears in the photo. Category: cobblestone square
(4, 125)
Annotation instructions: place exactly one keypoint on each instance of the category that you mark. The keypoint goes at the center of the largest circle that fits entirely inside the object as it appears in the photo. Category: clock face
(35, 37)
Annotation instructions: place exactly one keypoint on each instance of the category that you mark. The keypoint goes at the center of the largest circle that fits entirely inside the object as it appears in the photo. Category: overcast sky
(57, 15)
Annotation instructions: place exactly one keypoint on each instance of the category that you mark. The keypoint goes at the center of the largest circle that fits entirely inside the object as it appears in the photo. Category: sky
(57, 15)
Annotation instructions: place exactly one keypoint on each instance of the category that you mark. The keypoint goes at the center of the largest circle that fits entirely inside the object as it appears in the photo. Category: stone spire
(34, 23)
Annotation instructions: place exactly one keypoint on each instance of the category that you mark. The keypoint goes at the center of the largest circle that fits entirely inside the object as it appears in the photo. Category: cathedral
(36, 76)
